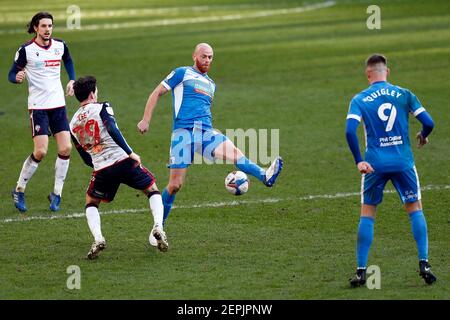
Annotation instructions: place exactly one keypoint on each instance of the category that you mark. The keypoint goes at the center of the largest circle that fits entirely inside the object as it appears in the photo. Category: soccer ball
(237, 183)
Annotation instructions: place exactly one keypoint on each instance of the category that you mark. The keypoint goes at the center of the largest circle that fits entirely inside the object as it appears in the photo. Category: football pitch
(287, 65)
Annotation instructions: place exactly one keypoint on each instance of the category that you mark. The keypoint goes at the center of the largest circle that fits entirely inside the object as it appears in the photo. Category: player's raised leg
(28, 169)
(94, 223)
(61, 168)
(228, 151)
(273, 171)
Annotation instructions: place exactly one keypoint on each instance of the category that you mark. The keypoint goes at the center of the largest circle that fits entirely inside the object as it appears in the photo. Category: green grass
(295, 72)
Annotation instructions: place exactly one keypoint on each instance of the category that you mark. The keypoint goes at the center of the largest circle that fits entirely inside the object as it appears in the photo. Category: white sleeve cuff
(354, 116)
(418, 111)
(166, 85)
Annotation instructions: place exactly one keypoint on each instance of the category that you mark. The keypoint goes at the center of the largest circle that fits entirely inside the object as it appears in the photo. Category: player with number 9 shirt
(384, 108)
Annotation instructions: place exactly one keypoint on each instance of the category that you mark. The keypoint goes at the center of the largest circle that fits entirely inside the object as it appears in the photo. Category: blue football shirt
(384, 108)
(192, 94)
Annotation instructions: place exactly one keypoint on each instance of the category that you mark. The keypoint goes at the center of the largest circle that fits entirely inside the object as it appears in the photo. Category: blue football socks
(365, 237)
(247, 166)
(167, 202)
(420, 233)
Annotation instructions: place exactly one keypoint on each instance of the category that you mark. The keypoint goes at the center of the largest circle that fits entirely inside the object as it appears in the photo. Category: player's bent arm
(14, 72)
(107, 116)
(427, 127)
(427, 123)
(352, 139)
(84, 155)
(17, 73)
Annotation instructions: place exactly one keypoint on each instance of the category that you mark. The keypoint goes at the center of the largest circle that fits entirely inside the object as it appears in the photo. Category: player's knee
(40, 153)
(174, 187)
(151, 190)
(65, 150)
(237, 154)
(413, 206)
(154, 187)
(92, 202)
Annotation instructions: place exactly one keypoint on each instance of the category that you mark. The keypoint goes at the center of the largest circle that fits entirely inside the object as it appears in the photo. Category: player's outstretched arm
(149, 107)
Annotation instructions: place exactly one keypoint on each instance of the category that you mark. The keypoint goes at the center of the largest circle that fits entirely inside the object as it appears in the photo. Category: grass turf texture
(296, 72)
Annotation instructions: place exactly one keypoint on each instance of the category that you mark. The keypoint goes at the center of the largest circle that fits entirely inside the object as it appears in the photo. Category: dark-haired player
(39, 61)
(102, 146)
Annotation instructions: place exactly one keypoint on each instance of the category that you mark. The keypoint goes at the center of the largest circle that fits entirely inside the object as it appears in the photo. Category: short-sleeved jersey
(88, 127)
(384, 108)
(42, 67)
(192, 94)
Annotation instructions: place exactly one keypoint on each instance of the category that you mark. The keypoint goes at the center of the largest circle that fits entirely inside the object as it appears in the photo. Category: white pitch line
(62, 15)
(177, 21)
(214, 204)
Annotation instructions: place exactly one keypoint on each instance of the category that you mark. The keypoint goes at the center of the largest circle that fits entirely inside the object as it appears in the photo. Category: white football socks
(157, 208)
(93, 219)
(61, 167)
(28, 169)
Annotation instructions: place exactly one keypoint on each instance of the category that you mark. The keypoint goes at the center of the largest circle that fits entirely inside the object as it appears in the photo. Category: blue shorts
(185, 142)
(105, 182)
(405, 182)
(48, 122)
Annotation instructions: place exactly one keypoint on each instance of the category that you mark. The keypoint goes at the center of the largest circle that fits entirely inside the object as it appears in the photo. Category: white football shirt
(42, 67)
(88, 127)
